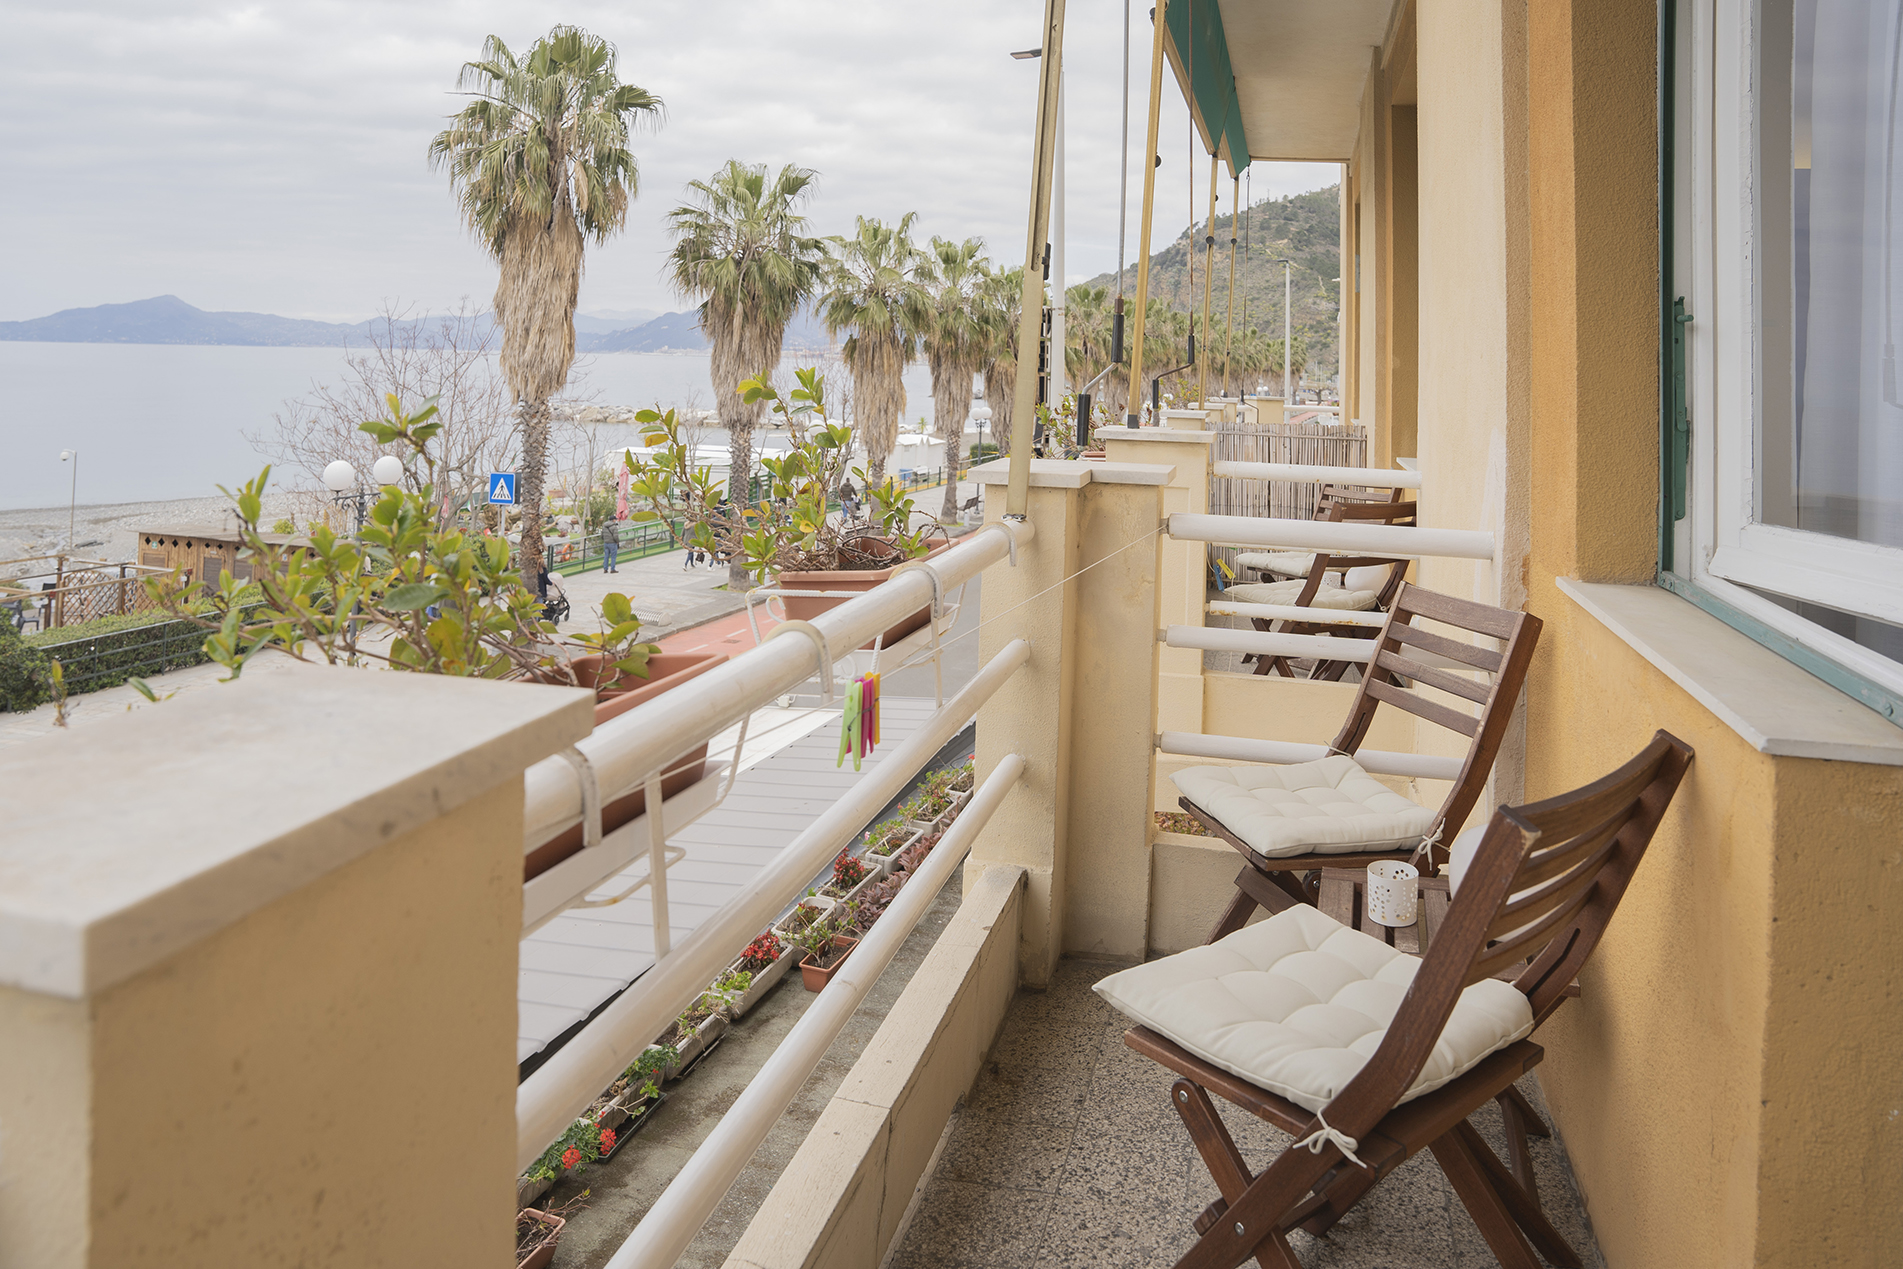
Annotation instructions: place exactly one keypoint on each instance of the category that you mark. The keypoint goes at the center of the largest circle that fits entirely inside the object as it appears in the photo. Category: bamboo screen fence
(1309, 442)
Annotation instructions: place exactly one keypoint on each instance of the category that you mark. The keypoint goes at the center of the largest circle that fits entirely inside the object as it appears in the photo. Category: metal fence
(1313, 444)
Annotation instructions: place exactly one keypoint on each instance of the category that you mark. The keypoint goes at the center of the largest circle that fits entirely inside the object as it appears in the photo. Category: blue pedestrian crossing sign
(502, 487)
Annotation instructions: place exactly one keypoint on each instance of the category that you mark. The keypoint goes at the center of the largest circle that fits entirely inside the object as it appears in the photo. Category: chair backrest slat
(1453, 649)
(1505, 671)
(1544, 865)
(1446, 682)
(1419, 706)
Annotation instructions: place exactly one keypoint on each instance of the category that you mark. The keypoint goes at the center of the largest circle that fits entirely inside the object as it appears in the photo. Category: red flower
(571, 1157)
(607, 1140)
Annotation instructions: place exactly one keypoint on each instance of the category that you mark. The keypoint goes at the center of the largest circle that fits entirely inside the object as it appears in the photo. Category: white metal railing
(1294, 612)
(1392, 541)
(636, 748)
(1307, 473)
(691, 1197)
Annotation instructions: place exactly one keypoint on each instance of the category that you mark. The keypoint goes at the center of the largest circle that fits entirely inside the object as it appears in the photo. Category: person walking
(610, 545)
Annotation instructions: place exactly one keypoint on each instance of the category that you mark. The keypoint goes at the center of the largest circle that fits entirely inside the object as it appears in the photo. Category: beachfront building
(281, 1022)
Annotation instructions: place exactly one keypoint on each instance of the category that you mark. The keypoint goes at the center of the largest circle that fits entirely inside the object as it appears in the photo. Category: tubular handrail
(691, 1197)
(1265, 643)
(548, 1101)
(646, 739)
(1294, 612)
(1393, 541)
(1189, 744)
(1309, 473)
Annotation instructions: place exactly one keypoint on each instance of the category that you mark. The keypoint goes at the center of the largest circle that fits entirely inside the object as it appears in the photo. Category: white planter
(764, 980)
(698, 1043)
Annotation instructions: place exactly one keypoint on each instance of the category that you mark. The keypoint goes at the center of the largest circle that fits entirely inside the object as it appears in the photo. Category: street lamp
(981, 415)
(341, 479)
(1287, 349)
(72, 504)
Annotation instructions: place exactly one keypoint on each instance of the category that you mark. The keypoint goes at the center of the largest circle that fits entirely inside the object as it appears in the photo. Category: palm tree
(540, 162)
(873, 291)
(955, 339)
(1001, 301)
(738, 246)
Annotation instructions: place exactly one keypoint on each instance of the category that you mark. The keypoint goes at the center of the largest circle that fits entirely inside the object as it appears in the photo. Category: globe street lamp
(981, 415)
(72, 456)
(341, 479)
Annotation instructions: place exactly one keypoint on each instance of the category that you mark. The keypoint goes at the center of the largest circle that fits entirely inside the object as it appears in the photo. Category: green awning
(1196, 43)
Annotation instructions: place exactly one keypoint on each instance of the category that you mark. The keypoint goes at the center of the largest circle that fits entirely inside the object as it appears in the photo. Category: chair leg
(1514, 1120)
(1521, 1204)
(1469, 1177)
(1234, 917)
(1225, 1163)
(1529, 1116)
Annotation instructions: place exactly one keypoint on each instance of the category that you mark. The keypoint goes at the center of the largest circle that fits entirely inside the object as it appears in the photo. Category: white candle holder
(1393, 893)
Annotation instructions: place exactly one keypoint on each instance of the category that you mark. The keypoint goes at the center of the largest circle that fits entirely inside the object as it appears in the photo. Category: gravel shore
(110, 531)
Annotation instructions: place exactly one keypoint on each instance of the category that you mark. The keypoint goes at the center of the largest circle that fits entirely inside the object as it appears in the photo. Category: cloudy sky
(271, 157)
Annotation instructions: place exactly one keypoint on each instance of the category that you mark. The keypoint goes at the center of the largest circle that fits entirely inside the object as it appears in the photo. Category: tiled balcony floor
(1069, 1153)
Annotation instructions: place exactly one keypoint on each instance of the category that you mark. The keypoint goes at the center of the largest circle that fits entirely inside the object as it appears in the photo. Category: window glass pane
(1837, 468)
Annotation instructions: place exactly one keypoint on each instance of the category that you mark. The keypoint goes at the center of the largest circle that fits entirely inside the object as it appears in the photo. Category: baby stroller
(555, 599)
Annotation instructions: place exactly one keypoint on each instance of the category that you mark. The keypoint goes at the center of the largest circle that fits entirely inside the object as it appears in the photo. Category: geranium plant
(848, 871)
(762, 952)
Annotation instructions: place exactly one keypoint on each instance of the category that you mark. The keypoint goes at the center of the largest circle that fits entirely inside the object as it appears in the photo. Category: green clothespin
(850, 723)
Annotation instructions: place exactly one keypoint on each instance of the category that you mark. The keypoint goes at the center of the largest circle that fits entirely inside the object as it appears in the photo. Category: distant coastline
(167, 320)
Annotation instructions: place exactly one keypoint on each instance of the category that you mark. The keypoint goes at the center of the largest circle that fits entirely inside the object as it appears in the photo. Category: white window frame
(1730, 551)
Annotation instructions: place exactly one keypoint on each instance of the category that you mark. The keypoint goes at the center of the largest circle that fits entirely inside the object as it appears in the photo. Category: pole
(1229, 327)
(1031, 300)
(1057, 258)
(72, 505)
(1288, 347)
(1209, 277)
(1123, 203)
(1149, 209)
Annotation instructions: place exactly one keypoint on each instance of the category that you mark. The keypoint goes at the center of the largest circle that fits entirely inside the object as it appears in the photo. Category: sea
(161, 421)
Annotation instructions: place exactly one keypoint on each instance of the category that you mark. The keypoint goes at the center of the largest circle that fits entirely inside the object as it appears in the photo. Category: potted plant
(850, 875)
(696, 1031)
(788, 532)
(887, 840)
(765, 962)
(827, 943)
(536, 1234)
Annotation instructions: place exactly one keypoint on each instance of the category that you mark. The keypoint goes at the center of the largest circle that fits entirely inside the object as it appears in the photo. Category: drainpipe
(1031, 303)
(1149, 208)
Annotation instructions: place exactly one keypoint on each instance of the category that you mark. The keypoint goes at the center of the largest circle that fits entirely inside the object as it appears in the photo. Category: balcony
(283, 963)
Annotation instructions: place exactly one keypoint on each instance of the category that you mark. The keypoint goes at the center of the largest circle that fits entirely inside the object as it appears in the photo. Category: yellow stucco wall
(327, 1082)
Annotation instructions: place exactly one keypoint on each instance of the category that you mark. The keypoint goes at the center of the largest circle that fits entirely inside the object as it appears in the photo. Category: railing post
(1081, 711)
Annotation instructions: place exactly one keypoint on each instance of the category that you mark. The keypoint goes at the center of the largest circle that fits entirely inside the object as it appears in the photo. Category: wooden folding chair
(1408, 657)
(1317, 592)
(1543, 884)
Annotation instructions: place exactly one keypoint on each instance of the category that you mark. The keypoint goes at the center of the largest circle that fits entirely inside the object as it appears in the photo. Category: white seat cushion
(1288, 592)
(1328, 807)
(1298, 1003)
(1288, 563)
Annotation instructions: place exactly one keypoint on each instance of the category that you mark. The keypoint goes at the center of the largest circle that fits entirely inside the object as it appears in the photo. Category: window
(1782, 313)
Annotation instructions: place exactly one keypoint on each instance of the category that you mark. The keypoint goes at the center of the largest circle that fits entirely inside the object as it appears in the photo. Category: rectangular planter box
(698, 1043)
(817, 978)
(884, 862)
(527, 1191)
(631, 1112)
(805, 608)
(668, 670)
(764, 980)
(823, 904)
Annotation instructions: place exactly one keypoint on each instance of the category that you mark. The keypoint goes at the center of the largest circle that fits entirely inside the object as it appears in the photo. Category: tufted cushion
(1367, 577)
(1460, 854)
(1288, 563)
(1288, 592)
(1331, 807)
(1298, 1003)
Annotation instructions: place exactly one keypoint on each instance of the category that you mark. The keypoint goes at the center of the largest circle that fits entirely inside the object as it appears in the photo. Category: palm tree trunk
(951, 403)
(530, 555)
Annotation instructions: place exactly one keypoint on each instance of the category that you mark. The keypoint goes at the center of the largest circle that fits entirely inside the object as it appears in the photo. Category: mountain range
(166, 319)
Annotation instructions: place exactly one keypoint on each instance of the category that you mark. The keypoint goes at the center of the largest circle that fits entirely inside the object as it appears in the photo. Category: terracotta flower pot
(539, 1256)
(668, 670)
(805, 608)
(816, 978)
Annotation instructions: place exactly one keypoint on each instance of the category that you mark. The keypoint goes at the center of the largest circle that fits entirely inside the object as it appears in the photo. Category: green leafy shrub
(23, 680)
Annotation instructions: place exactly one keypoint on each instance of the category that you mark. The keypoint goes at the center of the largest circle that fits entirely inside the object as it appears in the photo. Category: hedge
(94, 655)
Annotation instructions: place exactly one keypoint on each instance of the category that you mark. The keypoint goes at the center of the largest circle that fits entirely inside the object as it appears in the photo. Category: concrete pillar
(1080, 711)
(257, 1006)
(1268, 409)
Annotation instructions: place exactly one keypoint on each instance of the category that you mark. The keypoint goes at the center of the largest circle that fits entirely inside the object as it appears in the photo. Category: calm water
(158, 421)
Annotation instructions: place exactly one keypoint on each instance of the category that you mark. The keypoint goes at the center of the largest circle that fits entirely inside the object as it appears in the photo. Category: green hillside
(1306, 228)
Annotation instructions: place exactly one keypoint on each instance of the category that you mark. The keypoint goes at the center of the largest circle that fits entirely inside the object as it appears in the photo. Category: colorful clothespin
(851, 725)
